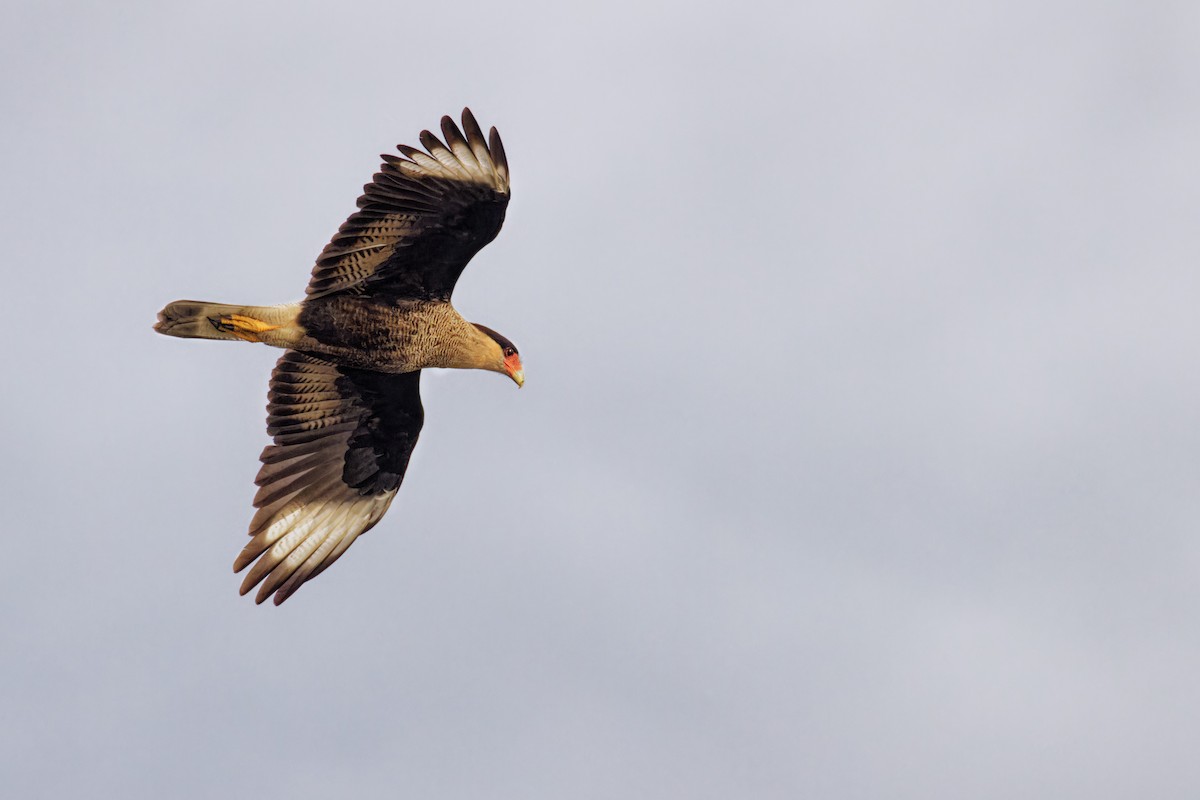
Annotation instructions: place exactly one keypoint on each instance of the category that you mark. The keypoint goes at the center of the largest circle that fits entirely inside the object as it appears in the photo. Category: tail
(195, 319)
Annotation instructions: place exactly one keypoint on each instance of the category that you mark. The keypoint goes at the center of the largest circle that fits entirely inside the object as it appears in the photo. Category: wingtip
(243, 560)
(498, 154)
(454, 136)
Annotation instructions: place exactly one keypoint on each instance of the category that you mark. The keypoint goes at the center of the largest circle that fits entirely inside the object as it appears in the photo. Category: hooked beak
(512, 365)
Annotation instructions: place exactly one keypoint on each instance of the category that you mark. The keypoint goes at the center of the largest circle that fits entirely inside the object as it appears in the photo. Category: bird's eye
(508, 351)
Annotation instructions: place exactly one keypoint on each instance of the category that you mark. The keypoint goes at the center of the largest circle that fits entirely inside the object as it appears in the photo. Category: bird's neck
(472, 349)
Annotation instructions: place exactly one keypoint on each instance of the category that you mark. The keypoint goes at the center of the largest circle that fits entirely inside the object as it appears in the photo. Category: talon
(245, 328)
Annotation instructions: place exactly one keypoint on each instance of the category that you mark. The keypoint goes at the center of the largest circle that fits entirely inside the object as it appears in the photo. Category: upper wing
(343, 438)
(421, 219)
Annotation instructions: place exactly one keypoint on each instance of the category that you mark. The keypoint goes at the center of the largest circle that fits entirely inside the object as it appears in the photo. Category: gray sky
(859, 451)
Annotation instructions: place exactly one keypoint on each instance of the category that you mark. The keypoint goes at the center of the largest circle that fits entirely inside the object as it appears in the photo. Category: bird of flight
(344, 405)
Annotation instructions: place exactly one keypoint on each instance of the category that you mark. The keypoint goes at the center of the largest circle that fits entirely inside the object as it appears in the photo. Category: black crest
(508, 347)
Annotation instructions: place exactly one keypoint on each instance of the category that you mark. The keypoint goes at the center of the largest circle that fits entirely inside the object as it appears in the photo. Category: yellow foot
(245, 328)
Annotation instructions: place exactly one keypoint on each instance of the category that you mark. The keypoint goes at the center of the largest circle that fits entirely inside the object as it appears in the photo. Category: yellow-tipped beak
(519, 377)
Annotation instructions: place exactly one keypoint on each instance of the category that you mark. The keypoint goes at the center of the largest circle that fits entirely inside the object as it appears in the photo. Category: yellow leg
(245, 328)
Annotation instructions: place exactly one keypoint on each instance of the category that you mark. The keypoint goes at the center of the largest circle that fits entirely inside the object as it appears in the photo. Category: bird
(344, 403)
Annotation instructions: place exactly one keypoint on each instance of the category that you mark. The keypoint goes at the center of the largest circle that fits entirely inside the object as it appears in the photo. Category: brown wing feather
(343, 438)
(421, 219)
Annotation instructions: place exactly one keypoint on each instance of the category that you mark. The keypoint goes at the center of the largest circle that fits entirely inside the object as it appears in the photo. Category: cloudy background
(859, 454)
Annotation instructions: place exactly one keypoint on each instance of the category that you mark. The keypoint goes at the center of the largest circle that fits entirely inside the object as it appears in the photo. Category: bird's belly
(368, 334)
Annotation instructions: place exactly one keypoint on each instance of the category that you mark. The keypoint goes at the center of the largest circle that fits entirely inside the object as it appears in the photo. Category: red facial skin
(513, 364)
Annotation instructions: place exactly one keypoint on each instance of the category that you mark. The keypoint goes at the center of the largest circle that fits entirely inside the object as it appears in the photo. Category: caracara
(344, 406)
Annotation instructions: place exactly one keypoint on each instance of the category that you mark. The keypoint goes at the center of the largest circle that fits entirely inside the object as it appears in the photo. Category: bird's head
(504, 357)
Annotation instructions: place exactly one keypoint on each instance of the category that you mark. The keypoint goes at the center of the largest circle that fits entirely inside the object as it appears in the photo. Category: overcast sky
(858, 456)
